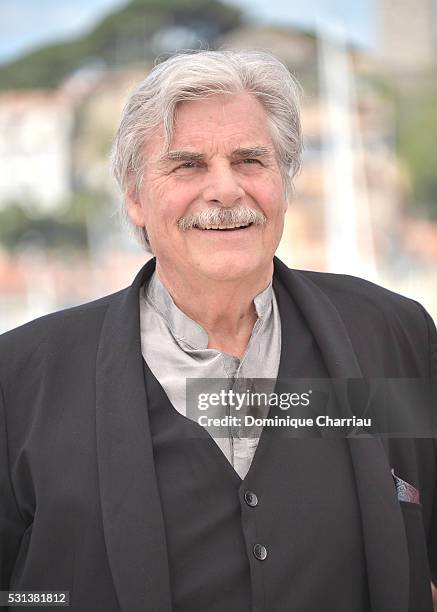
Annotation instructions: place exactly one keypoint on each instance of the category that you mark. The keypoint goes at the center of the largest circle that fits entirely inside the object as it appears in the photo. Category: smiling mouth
(229, 228)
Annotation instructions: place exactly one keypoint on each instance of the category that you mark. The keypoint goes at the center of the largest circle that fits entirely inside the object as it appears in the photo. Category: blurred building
(407, 33)
(96, 122)
(35, 151)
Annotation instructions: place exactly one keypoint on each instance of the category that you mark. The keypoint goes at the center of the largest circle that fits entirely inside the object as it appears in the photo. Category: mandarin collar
(182, 327)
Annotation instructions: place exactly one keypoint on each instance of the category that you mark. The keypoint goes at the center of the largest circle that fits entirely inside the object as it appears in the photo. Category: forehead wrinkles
(231, 110)
(216, 142)
(228, 134)
(197, 126)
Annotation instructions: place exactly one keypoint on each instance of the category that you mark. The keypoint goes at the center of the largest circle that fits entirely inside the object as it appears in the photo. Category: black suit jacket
(79, 504)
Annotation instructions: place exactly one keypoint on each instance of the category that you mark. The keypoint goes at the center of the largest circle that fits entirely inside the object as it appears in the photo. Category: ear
(134, 208)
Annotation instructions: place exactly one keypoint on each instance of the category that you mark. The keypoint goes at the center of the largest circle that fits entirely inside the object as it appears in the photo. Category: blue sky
(25, 24)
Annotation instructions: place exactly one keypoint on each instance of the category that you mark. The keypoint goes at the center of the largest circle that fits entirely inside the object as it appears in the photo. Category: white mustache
(222, 217)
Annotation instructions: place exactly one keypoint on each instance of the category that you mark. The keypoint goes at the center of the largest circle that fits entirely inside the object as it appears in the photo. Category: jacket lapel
(132, 518)
(383, 528)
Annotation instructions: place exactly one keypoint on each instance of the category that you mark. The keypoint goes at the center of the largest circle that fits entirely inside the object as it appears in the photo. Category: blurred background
(364, 204)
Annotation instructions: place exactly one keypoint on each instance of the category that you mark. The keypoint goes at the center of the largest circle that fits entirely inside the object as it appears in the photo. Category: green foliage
(45, 67)
(65, 231)
(13, 223)
(124, 35)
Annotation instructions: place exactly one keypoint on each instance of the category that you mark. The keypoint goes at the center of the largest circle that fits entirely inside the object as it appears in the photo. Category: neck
(224, 308)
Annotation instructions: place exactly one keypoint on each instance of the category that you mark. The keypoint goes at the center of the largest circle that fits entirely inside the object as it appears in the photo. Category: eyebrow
(183, 156)
(256, 151)
(180, 155)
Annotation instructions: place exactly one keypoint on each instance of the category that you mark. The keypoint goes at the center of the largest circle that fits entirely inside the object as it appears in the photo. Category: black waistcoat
(304, 513)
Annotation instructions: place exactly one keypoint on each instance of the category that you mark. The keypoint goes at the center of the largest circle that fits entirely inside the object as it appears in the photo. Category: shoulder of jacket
(357, 292)
(57, 327)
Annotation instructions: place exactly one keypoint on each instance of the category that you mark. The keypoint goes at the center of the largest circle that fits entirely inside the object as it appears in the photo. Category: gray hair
(194, 75)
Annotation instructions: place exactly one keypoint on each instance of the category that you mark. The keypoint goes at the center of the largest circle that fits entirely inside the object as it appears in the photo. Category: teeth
(221, 227)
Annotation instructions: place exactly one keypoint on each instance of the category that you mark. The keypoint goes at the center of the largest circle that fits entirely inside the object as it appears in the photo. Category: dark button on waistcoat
(260, 552)
(251, 499)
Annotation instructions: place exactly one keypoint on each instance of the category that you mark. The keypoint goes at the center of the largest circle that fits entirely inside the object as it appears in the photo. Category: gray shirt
(176, 348)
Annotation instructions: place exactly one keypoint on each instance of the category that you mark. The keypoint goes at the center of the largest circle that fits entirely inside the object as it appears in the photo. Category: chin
(230, 267)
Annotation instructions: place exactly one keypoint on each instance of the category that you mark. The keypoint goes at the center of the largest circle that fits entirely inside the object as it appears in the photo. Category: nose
(222, 186)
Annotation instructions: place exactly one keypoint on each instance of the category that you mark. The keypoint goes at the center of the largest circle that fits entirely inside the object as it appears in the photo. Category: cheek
(157, 206)
(174, 201)
(271, 203)
(269, 195)
(160, 220)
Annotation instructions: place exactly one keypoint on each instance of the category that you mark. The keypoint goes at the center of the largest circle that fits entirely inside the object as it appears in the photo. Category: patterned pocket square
(405, 491)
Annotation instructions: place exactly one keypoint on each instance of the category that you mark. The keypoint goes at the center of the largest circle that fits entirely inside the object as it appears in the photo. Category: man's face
(222, 157)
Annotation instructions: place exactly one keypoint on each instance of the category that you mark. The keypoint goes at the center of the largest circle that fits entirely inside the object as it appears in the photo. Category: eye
(250, 161)
(188, 164)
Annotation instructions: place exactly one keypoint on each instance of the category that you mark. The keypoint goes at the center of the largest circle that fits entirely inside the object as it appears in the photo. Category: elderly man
(110, 491)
